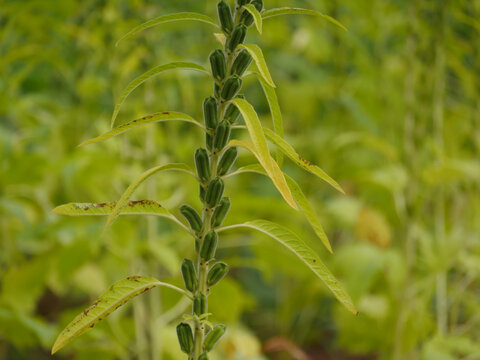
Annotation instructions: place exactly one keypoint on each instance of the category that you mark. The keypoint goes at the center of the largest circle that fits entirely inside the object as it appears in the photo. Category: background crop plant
(222, 112)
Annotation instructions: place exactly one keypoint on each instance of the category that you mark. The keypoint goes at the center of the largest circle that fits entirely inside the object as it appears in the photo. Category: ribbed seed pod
(214, 192)
(202, 192)
(218, 64)
(258, 5)
(209, 141)
(202, 163)
(199, 304)
(226, 161)
(232, 113)
(237, 37)
(242, 2)
(220, 212)
(216, 273)
(247, 18)
(231, 87)
(185, 337)
(209, 245)
(216, 89)
(203, 356)
(192, 217)
(241, 63)
(189, 275)
(213, 336)
(225, 16)
(210, 112)
(221, 136)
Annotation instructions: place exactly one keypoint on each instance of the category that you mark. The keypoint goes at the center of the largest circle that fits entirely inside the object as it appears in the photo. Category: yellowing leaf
(257, 18)
(257, 56)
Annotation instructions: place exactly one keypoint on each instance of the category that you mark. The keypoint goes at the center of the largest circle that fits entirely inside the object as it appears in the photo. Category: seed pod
(241, 63)
(202, 163)
(214, 192)
(213, 336)
(199, 304)
(247, 18)
(258, 5)
(201, 193)
(203, 356)
(231, 87)
(209, 245)
(221, 136)
(227, 160)
(192, 217)
(216, 90)
(225, 16)
(216, 273)
(237, 37)
(189, 275)
(185, 337)
(220, 212)
(210, 112)
(209, 141)
(218, 64)
(242, 2)
(232, 113)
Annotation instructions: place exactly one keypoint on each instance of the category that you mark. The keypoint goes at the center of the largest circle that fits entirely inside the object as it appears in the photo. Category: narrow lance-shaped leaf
(150, 119)
(183, 16)
(124, 199)
(117, 295)
(138, 207)
(302, 251)
(257, 17)
(148, 75)
(257, 55)
(297, 11)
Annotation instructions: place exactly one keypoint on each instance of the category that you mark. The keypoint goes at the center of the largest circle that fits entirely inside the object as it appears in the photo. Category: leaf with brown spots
(117, 295)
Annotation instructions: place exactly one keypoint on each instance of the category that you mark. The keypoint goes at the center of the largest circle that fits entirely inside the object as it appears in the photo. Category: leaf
(257, 55)
(149, 74)
(153, 118)
(305, 253)
(257, 17)
(221, 38)
(300, 161)
(301, 200)
(124, 199)
(117, 295)
(292, 11)
(183, 16)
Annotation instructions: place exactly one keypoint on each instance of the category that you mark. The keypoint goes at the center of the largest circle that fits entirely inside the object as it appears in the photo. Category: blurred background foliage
(391, 109)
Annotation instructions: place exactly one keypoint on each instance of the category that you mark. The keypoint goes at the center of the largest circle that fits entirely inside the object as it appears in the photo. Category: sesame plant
(222, 112)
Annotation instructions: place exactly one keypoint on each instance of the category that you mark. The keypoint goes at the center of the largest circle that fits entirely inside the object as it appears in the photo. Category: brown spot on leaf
(165, 113)
(305, 161)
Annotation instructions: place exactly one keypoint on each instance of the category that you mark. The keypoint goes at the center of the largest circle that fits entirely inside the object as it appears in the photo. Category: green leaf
(305, 253)
(148, 75)
(257, 55)
(257, 17)
(292, 11)
(184, 16)
(300, 161)
(149, 119)
(117, 295)
(124, 199)
(139, 207)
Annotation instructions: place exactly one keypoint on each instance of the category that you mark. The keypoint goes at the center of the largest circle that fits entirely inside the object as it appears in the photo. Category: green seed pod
(202, 163)
(189, 275)
(220, 212)
(216, 273)
(232, 113)
(237, 37)
(225, 16)
(210, 112)
(201, 192)
(231, 87)
(214, 192)
(209, 245)
(216, 89)
(192, 217)
(258, 5)
(199, 304)
(209, 141)
(213, 336)
(227, 160)
(203, 356)
(185, 337)
(242, 2)
(218, 65)
(221, 136)
(241, 63)
(247, 18)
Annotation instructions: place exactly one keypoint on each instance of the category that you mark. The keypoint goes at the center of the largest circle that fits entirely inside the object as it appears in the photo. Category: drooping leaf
(117, 295)
(183, 16)
(138, 207)
(148, 75)
(257, 55)
(292, 11)
(124, 199)
(302, 251)
(149, 119)
(257, 17)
